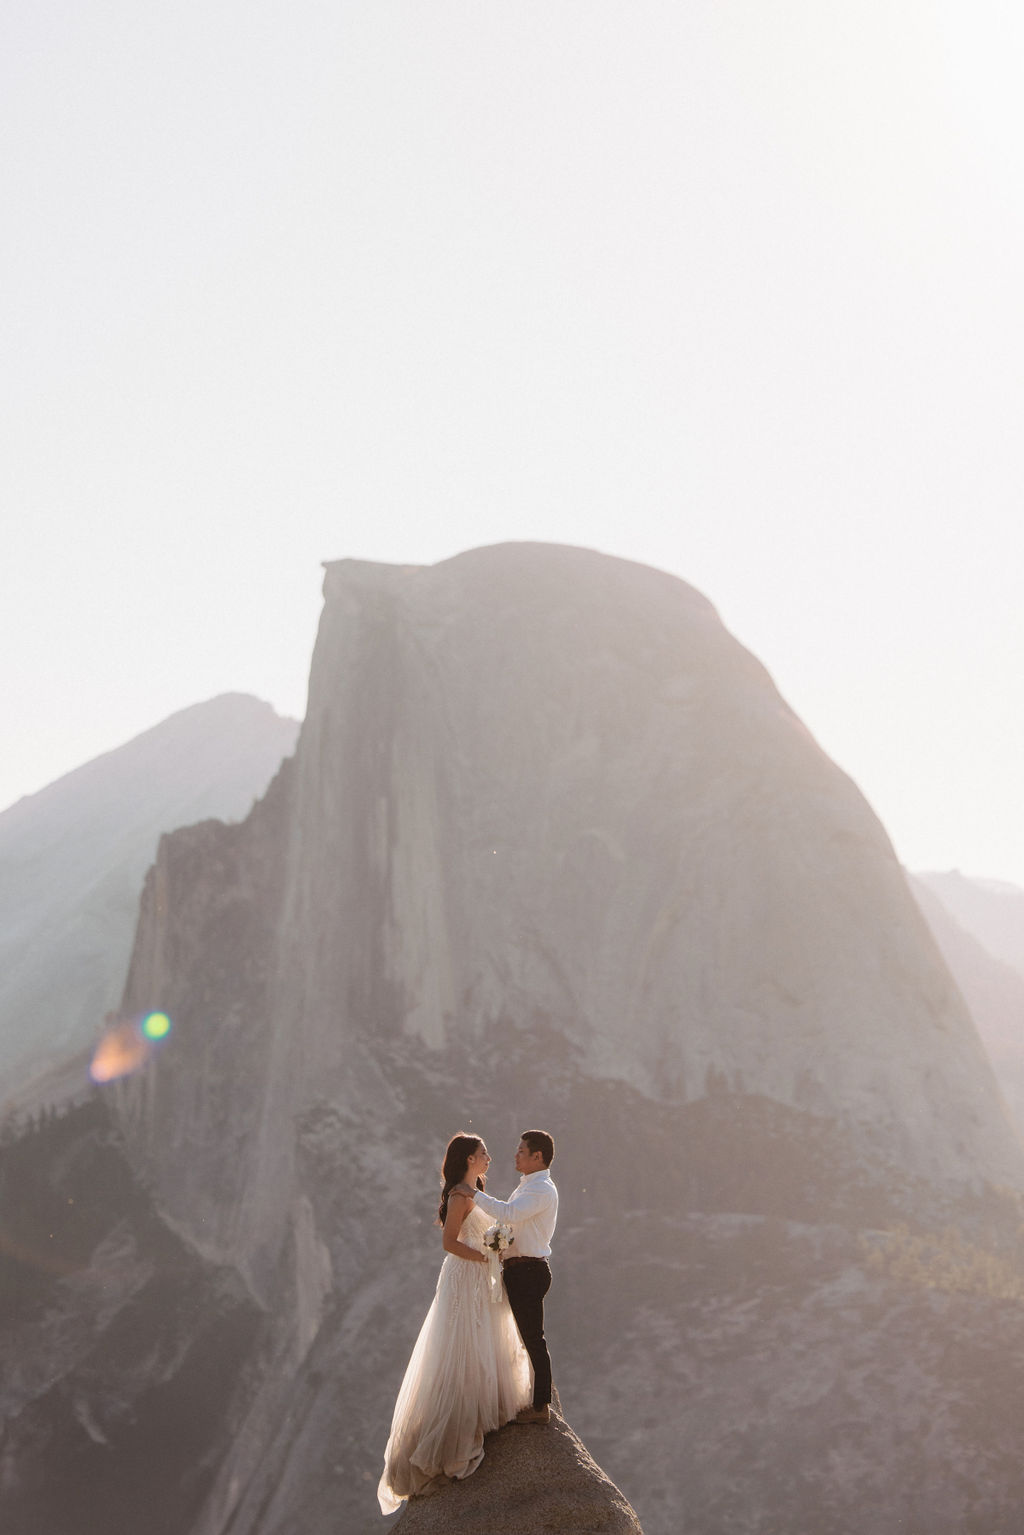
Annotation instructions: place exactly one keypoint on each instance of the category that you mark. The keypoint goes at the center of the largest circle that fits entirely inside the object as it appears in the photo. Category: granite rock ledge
(531, 1481)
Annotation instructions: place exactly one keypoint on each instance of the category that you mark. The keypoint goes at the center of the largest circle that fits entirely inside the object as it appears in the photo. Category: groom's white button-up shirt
(531, 1212)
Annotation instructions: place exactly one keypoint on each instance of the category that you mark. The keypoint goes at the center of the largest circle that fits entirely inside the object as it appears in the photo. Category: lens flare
(121, 1050)
(127, 1044)
(156, 1026)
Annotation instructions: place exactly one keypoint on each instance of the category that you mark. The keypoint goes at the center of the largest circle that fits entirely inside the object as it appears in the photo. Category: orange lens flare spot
(121, 1050)
(126, 1045)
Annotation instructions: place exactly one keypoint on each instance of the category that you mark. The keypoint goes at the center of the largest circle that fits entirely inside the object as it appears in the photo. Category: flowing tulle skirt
(468, 1374)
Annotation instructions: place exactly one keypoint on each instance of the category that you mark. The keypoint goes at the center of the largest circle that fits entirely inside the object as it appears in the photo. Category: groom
(531, 1212)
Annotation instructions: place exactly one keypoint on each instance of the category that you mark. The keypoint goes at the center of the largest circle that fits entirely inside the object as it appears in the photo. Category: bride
(469, 1372)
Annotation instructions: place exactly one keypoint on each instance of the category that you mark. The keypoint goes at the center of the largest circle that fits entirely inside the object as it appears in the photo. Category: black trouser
(526, 1283)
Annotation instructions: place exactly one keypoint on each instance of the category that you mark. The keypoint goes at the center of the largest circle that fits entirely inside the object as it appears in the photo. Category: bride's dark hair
(454, 1168)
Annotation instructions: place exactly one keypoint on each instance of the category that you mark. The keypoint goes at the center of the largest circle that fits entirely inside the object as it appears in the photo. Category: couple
(471, 1367)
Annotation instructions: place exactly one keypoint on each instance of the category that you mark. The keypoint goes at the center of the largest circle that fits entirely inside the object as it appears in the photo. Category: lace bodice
(473, 1227)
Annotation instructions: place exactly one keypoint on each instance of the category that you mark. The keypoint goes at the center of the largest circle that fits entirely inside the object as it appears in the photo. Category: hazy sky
(732, 287)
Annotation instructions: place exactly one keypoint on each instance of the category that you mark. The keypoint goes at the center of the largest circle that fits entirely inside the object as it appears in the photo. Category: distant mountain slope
(991, 909)
(72, 859)
(993, 990)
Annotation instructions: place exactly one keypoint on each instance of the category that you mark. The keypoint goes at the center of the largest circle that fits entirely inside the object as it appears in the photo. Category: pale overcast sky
(732, 287)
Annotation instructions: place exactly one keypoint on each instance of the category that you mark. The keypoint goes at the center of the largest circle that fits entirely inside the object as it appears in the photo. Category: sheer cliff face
(543, 800)
(541, 786)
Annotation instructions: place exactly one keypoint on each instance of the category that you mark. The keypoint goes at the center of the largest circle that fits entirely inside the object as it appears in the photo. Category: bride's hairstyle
(455, 1167)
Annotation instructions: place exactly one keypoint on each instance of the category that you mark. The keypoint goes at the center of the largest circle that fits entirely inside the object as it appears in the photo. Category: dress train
(468, 1374)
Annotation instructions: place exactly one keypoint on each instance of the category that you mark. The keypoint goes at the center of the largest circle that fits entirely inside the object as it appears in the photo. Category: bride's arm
(458, 1208)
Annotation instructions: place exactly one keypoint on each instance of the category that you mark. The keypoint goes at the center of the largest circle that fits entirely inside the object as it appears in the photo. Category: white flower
(498, 1237)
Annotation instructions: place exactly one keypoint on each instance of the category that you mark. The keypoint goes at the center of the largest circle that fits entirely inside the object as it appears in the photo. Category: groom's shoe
(533, 1415)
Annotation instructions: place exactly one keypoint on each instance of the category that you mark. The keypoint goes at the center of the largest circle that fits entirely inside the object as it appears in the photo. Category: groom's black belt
(524, 1259)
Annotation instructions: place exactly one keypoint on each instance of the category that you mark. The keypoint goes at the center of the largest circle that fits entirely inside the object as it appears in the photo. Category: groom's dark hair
(539, 1140)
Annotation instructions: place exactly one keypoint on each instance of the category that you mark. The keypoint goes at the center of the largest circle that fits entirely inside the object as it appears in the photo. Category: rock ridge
(532, 1480)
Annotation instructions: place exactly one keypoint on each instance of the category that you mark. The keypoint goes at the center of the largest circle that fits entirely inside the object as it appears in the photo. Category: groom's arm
(514, 1211)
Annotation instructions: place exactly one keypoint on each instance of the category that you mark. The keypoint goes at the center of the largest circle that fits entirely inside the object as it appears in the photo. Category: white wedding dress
(468, 1374)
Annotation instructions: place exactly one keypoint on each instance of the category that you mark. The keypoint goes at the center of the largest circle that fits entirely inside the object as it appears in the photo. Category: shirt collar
(542, 1172)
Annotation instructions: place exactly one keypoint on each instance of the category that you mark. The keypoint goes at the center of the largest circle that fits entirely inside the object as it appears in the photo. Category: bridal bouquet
(496, 1239)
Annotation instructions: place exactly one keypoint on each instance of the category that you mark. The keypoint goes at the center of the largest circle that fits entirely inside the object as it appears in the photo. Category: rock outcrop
(552, 850)
(531, 1479)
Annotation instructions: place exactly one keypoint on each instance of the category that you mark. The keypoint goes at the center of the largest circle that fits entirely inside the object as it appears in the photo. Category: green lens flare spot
(156, 1026)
